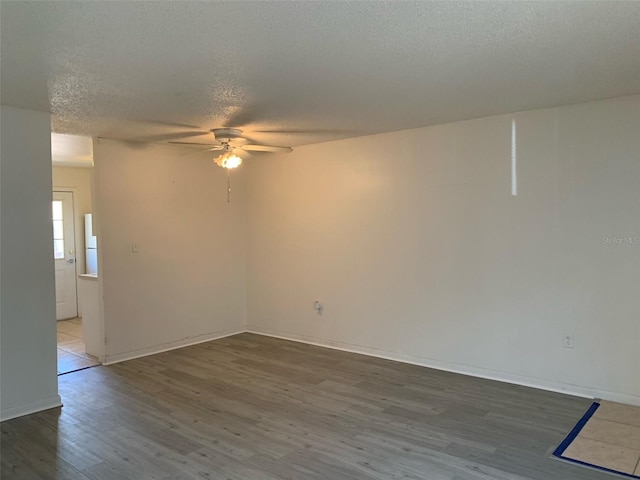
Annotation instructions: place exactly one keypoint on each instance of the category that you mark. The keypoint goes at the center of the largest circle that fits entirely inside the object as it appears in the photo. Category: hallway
(71, 354)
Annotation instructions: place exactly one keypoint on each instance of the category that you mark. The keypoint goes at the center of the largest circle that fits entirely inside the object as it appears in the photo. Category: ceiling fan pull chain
(228, 186)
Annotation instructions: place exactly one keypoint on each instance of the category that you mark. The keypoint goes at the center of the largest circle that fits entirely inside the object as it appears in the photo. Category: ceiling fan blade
(302, 131)
(197, 144)
(265, 148)
(198, 151)
(165, 124)
(167, 136)
(210, 148)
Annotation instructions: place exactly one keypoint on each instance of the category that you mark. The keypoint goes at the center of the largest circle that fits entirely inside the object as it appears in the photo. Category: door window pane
(57, 210)
(58, 233)
(58, 249)
(58, 230)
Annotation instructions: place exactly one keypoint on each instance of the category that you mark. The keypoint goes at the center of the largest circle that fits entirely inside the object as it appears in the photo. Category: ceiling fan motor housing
(225, 135)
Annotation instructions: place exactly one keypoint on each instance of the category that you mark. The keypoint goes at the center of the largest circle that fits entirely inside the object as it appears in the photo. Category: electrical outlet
(318, 307)
(568, 341)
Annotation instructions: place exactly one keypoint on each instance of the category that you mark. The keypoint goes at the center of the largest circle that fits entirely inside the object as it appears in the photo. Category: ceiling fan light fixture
(228, 160)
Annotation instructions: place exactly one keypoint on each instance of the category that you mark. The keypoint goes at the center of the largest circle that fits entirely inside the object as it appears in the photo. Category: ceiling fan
(230, 139)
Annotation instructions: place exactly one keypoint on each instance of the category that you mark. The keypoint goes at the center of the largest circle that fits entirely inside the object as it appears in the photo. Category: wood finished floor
(253, 407)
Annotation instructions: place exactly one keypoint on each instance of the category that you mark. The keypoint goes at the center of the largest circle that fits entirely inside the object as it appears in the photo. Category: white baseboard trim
(34, 407)
(165, 347)
(521, 380)
(618, 397)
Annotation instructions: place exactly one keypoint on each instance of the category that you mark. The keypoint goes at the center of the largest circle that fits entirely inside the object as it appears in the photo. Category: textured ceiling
(318, 70)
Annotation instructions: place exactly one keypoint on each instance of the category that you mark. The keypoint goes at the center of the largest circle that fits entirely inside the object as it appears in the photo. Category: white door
(64, 253)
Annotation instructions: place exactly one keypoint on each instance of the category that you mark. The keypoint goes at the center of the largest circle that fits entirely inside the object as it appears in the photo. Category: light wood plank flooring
(254, 407)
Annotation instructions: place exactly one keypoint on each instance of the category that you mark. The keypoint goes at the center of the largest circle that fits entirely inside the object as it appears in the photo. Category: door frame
(74, 196)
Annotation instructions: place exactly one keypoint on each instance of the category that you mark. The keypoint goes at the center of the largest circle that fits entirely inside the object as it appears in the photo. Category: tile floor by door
(71, 353)
(610, 439)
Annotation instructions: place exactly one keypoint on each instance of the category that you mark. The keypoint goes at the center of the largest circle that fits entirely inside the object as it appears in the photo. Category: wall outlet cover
(568, 341)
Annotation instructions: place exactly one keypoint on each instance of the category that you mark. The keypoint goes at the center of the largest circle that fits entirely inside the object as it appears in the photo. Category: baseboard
(40, 405)
(165, 347)
(617, 397)
(567, 389)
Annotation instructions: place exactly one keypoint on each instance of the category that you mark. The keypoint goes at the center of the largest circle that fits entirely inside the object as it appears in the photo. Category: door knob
(71, 260)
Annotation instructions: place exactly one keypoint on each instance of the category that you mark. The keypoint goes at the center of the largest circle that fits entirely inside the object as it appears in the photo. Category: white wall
(419, 252)
(187, 283)
(76, 180)
(28, 376)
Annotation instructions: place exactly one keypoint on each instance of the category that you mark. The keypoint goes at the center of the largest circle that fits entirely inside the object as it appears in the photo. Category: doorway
(70, 339)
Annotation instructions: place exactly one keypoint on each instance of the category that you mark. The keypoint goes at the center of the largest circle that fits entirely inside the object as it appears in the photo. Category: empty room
(320, 240)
